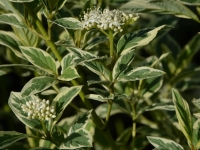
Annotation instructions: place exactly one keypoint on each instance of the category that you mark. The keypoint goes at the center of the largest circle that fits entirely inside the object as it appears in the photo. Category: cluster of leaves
(47, 39)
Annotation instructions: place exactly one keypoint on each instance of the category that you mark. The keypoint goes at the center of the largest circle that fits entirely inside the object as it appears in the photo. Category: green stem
(111, 42)
(43, 32)
(96, 118)
(98, 122)
(108, 114)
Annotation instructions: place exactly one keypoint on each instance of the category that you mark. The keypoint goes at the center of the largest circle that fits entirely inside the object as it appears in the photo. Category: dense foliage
(100, 74)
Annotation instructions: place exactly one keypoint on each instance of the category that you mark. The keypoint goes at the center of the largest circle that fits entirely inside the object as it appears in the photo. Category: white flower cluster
(107, 19)
(39, 109)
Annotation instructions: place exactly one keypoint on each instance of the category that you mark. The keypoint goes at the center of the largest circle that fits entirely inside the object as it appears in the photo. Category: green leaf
(160, 6)
(69, 23)
(40, 148)
(69, 74)
(9, 40)
(161, 106)
(21, 1)
(69, 71)
(136, 39)
(81, 54)
(4, 71)
(101, 110)
(162, 143)
(63, 99)
(29, 67)
(196, 133)
(26, 37)
(15, 101)
(191, 2)
(95, 41)
(12, 20)
(183, 115)
(61, 3)
(9, 137)
(37, 84)
(78, 136)
(99, 97)
(40, 58)
(90, 62)
(186, 55)
(68, 60)
(152, 85)
(140, 73)
(107, 83)
(8, 6)
(78, 139)
(122, 63)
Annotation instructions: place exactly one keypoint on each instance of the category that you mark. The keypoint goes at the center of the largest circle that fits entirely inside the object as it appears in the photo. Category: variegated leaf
(99, 97)
(63, 99)
(162, 143)
(9, 137)
(69, 74)
(12, 19)
(68, 60)
(140, 73)
(15, 101)
(183, 115)
(69, 23)
(122, 63)
(90, 61)
(136, 39)
(37, 84)
(21, 1)
(40, 58)
(9, 40)
(26, 37)
(78, 136)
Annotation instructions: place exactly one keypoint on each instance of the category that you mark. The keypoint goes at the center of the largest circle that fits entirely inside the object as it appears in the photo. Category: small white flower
(107, 19)
(39, 109)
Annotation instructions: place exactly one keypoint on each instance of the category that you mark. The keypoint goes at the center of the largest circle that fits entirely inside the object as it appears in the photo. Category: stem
(108, 114)
(111, 42)
(98, 122)
(96, 118)
(43, 31)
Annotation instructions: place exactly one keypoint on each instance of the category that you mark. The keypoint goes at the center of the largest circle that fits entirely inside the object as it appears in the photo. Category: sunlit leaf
(162, 143)
(9, 40)
(160, 6)
(191, 2)
(69, 74)
(37, 84)
(15, 101)
(63, 99)
(68, 60)
(140, 73)
(99, 97)
(136, 39)
(69, 23)
(183, 115)
(196, 133)
(21, 1)
(26, 37)
(123, 63)
(91, 62)
(78, 136)
(12, 20)
(40, 58)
